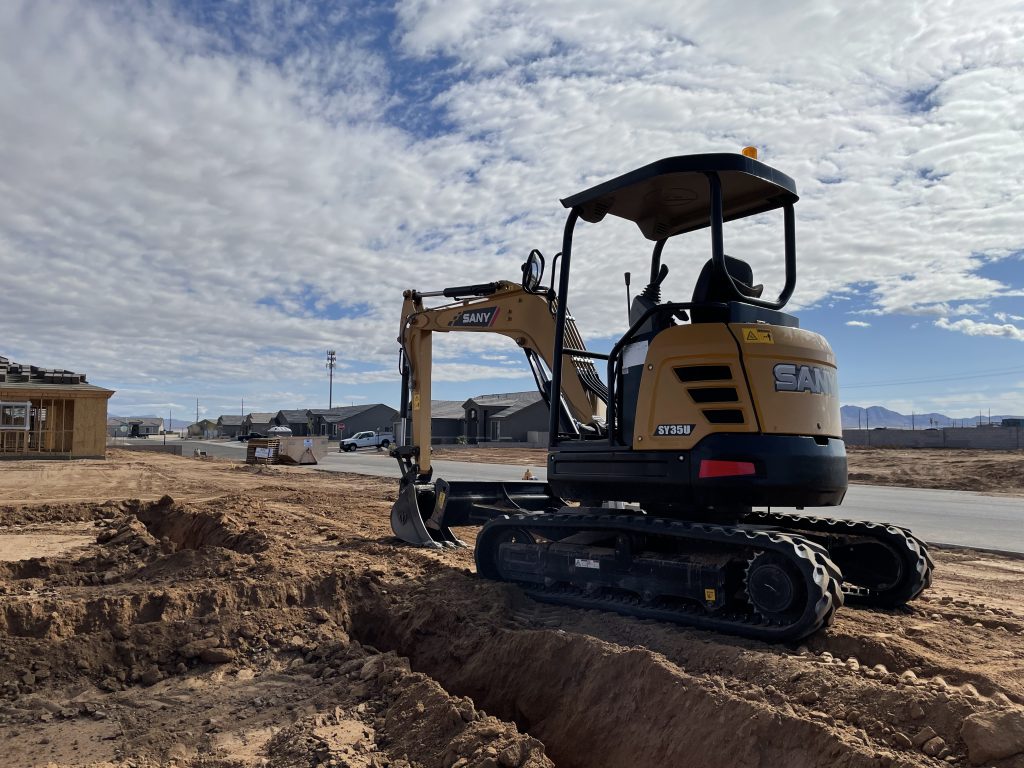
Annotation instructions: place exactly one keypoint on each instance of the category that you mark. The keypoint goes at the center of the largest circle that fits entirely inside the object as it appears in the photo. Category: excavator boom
(524, 313)
(505, 308)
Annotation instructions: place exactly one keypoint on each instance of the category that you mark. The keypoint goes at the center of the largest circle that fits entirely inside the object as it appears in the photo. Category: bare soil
(953, 469)
(227, 616)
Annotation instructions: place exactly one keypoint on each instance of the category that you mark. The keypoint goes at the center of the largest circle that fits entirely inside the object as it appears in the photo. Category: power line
(897, 382)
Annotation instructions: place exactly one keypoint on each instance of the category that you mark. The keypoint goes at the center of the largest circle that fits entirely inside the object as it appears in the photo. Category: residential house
(134, 426)
(229, 426)
(258, 423)
(345, 421)
(510, 416)
(447, 421)
(298, 421)
(205, 428)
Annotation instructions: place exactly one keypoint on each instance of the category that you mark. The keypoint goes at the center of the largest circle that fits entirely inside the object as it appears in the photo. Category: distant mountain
(855, 417)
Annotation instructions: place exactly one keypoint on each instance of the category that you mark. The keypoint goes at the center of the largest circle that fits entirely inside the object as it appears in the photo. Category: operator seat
(714, 287)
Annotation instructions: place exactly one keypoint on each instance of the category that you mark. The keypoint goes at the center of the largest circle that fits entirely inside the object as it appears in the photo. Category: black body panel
(790, 471)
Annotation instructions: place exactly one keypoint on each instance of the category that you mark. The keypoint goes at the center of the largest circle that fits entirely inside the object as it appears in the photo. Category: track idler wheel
(488, 549)
(775, 589)
(890, 572)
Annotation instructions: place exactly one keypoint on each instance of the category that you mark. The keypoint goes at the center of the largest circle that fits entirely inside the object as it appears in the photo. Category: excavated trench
(594, 703)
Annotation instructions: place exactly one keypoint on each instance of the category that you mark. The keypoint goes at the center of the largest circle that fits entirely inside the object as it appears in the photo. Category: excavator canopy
(673, 195)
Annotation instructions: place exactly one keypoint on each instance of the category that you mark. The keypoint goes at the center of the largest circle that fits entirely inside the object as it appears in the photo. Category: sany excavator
(664, 478)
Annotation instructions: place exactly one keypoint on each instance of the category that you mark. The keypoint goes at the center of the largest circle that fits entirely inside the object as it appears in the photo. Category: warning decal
(757, 336)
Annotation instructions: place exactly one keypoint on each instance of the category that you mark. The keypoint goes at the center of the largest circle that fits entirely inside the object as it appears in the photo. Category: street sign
(123, 428)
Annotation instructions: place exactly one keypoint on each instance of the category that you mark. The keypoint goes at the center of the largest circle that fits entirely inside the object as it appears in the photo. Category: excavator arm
(508, 309)
(425, 510)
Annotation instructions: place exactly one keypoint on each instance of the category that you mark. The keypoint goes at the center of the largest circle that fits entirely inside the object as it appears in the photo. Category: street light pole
(331, 361)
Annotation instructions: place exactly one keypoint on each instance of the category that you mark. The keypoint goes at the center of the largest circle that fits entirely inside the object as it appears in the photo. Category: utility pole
(332, 359)
(168, 426)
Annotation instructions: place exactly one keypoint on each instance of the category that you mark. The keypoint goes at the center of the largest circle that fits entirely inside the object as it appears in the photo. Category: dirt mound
(281, 625)
(192, 529)
(60, 513)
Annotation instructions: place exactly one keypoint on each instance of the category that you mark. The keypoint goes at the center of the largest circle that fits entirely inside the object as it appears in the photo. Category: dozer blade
(424, 512)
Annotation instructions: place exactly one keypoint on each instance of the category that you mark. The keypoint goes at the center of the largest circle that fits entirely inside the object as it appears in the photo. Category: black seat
(713, 286)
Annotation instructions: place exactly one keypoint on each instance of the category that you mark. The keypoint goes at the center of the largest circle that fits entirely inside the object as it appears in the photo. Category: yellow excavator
(665, 477)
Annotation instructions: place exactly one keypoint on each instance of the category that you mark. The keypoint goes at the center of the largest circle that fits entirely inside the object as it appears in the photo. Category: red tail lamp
(718, 468)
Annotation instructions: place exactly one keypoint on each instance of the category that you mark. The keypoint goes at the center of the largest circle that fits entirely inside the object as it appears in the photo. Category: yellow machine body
(712, 377)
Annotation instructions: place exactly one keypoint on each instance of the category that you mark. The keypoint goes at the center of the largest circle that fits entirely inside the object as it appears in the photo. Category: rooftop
(509, 402)
(447, 409)
(20, 376)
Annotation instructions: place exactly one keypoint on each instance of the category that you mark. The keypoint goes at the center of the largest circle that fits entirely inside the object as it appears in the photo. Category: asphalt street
(957, 518)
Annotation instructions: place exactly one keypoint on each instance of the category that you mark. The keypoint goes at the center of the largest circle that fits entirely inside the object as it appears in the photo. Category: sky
(199, 199)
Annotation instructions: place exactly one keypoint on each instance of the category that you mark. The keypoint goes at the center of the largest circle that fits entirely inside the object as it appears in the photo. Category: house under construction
(48, 413)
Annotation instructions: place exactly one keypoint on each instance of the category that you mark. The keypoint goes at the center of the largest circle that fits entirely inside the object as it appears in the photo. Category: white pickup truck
(368, 439)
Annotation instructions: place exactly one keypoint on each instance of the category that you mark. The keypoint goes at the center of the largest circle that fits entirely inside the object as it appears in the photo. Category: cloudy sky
(198, 199)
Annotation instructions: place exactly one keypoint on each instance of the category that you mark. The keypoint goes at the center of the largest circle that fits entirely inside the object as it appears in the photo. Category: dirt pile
(279, 624)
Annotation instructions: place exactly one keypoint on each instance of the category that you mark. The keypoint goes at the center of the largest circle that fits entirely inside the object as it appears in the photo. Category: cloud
(858, 324)
(204, 197)
(1006, 317)
(974, 328)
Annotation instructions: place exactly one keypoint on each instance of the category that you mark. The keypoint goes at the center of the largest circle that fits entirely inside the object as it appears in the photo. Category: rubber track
(917, 571)
(821, 576)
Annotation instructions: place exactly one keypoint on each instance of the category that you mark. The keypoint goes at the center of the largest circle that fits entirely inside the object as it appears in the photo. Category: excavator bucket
(424, 513)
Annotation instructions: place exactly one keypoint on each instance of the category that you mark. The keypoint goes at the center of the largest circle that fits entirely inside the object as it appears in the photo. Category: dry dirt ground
(173, 611)
(961, 470)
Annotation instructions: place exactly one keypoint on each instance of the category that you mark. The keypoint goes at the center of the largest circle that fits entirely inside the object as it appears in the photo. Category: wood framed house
(50, 413)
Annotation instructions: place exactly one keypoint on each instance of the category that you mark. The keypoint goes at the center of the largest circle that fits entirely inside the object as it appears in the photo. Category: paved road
(958, 518)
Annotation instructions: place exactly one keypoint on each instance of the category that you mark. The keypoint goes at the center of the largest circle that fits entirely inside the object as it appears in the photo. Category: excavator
(676, 484)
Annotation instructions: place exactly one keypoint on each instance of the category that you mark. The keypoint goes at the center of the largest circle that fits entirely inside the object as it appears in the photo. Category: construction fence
(983, 438)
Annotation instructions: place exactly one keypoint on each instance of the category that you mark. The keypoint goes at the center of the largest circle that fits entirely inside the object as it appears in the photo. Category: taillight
(717, 468)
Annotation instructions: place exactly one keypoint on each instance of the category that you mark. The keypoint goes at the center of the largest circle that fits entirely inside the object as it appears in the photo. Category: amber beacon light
(750, 152)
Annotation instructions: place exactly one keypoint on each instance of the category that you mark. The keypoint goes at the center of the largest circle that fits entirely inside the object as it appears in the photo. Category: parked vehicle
(250, 436)
(367, 439)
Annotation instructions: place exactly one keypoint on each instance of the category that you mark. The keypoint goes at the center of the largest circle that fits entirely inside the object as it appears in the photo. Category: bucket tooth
(442, 492)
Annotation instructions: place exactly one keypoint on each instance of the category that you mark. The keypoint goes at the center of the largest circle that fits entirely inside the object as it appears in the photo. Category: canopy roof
(672, 196)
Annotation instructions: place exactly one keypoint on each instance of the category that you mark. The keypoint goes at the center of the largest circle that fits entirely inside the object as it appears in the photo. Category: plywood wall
(90, 435)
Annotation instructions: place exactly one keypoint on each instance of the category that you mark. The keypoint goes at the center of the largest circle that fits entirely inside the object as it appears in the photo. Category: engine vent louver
(691, 373)
(724, 416)
(714, 395)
